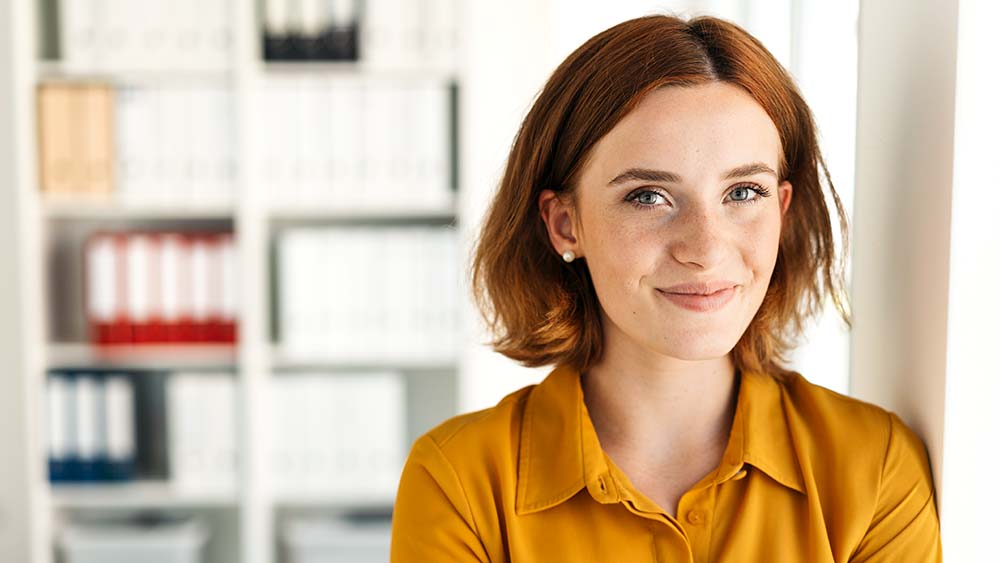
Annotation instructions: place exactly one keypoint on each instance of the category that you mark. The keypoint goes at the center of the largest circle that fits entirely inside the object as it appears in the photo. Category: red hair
(542, 311)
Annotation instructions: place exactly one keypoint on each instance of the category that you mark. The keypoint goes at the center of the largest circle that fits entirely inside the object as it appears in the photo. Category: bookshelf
(49, 230)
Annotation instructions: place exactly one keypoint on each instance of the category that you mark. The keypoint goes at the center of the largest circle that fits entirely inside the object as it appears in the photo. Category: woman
(645, 240)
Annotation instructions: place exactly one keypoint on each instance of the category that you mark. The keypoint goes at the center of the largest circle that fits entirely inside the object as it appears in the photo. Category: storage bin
(132, 542)
(336, 540)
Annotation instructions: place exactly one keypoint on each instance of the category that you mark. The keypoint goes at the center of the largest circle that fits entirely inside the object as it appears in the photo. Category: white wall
(969, 492)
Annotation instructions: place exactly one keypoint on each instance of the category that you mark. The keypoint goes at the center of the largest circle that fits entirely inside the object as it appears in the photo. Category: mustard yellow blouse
(808, 475)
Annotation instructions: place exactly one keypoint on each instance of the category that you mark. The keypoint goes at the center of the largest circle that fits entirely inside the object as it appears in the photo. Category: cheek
(619, 261)
(762, 245)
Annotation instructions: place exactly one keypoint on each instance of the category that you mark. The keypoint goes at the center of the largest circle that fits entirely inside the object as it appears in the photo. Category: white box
(167, 542)
(331, 540)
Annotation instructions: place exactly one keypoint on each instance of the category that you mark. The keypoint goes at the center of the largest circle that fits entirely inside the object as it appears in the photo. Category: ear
(559, 216)
(784, 195)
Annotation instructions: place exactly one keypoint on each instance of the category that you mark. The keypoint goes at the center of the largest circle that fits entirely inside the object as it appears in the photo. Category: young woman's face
(680, 191)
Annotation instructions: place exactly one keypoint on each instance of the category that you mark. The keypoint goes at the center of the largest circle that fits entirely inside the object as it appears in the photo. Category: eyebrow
(653, 175)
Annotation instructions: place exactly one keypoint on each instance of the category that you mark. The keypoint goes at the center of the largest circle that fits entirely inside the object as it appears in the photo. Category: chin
(710, 349)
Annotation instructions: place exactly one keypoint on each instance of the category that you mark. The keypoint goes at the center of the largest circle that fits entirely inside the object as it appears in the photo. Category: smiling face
(680, 191)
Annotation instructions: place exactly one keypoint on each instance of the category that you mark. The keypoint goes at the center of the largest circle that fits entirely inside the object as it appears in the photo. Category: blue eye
(646, 198)
(761, 191)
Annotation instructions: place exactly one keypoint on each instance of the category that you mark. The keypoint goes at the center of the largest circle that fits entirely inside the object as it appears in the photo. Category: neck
(660, 409)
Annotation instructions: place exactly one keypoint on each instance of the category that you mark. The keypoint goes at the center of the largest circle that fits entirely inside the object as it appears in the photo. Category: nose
(698, 238)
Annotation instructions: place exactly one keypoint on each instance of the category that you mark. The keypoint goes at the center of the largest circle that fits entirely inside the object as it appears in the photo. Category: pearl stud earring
(568, 256)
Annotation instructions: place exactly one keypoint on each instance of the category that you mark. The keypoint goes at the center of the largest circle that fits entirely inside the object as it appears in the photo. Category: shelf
(56, 71)
(355, 68)
(59, 206)
(283, 360)
(110, 207)
(330, 212)
(320, 500)
(137, 494)
(152, 356)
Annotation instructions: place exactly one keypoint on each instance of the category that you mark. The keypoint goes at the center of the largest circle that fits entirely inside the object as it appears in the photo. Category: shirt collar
(560, 452)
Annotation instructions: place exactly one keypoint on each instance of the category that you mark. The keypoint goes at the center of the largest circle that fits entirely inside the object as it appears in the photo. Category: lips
(700, 288)
(701, 303)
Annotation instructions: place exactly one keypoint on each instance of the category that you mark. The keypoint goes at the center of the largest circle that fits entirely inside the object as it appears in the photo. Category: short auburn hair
(544, 311)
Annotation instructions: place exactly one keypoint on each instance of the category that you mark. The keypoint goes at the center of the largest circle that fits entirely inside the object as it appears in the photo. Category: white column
(969, 490)
(257, 514)
(24, 519)
(903, 223)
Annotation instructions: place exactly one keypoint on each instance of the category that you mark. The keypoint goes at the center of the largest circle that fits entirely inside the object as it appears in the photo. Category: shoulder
(826, 410)
(839, 419)
(842, 436)
(868, 463)
(474, 437)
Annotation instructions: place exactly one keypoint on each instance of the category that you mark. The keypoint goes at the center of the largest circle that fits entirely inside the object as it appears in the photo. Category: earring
(568, 256)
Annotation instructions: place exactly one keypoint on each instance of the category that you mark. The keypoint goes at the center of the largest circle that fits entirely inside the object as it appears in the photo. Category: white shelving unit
(42, 337)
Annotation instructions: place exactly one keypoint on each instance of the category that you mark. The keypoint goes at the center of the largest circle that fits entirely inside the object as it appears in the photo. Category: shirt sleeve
(905, 524)
(432, 519)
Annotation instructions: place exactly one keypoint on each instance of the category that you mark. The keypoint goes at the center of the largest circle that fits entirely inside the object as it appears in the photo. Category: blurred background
(235, 237)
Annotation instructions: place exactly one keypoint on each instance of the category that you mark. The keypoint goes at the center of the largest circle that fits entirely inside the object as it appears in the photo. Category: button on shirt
(807, 475)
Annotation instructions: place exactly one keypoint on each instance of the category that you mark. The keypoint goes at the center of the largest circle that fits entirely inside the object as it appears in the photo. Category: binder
(171, 273)
(312, 20)
(119, 428)
(338, 434)
(55, 139)
(59, 413)
(140, 260)
(379, 129)
(276, 30)
(90, 441)
(182, 330)
(339, 41)
(124, 35)
(175, 135)
(441, 33)
(347, 123)
(98, 139)
(104, 286)
(136, 133)
(78, 34)
(201, 288)
(201, 433)
(223, 134)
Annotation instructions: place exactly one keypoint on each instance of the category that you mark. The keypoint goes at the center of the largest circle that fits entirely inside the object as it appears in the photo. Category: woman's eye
(644, 199)
(742, 194)
(649, 198)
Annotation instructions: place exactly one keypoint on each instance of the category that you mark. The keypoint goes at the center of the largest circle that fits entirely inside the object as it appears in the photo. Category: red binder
(104, 283)
(139, 295)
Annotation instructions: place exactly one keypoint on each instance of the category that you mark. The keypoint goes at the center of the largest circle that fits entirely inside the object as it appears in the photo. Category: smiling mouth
(701, 303)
